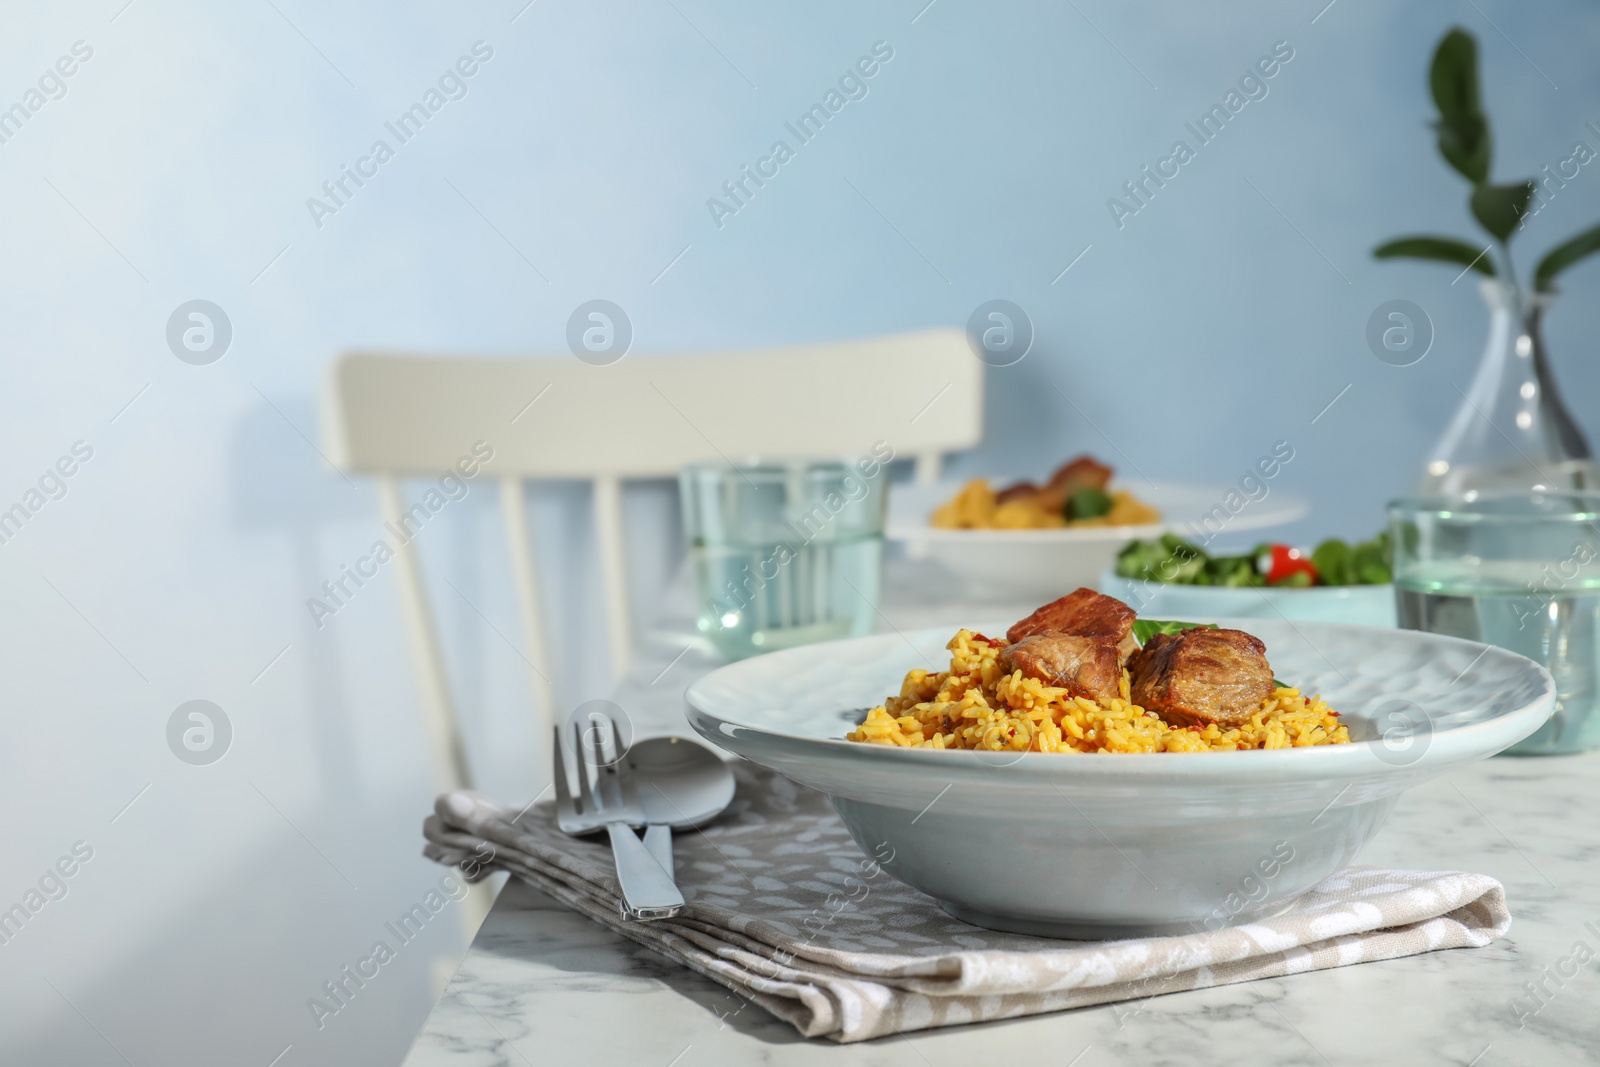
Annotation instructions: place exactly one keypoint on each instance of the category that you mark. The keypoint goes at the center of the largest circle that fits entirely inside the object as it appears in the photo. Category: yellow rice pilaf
(977, 705)
(977, 507)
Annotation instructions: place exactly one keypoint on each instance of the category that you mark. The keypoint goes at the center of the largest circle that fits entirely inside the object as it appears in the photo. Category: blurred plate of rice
(1043, 561)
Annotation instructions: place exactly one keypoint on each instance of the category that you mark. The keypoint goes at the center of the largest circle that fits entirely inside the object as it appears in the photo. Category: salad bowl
(1363, 605)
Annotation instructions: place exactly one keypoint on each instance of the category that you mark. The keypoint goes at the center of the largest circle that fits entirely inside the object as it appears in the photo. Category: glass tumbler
(784, 553)
(1517, 569)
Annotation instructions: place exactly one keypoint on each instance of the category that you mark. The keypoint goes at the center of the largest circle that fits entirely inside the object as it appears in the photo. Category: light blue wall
(1221, 318)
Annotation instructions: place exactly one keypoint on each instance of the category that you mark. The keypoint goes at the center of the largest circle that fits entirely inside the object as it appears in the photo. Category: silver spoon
(680, 784)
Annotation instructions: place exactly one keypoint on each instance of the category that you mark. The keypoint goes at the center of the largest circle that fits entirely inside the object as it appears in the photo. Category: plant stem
(1511, 271)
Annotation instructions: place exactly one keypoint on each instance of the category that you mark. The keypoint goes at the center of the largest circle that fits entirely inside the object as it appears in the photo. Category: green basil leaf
(1145, 629)
(1087, 504)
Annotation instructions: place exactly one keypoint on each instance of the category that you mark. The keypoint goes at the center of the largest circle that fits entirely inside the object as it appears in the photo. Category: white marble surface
(542, 984)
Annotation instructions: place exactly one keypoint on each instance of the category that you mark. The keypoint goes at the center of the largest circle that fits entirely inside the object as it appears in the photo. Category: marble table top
(542, 984)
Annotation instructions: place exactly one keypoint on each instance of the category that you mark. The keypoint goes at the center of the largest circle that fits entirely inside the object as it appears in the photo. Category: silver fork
(648, 891)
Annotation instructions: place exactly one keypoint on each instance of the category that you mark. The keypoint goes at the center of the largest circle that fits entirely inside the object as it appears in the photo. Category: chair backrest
(394, 415)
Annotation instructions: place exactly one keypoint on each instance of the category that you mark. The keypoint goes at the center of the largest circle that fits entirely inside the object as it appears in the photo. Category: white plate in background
(1054, 562)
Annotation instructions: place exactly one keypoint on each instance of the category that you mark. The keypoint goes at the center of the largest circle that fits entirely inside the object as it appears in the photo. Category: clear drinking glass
(784, 553)
(1516, 569)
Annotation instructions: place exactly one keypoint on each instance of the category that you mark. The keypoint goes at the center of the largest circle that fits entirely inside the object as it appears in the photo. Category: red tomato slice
(1286, 562)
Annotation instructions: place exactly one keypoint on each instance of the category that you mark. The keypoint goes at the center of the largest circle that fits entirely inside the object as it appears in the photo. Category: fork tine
(586, 799)
(604, 794)
(563, 790)
(623, 772)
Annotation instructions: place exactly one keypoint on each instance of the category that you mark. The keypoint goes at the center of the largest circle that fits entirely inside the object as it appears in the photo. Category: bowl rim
(1109, 574)
(1355, 759)
(1055, 535)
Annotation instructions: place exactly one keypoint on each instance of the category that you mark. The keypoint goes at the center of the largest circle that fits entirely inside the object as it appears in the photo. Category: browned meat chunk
(1081, 473)
(1085, 613)
(1201, 676)
(1019, 491)
(1078, 643)
(1085, 666)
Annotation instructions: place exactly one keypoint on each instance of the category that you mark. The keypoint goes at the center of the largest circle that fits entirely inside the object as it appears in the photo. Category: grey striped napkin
(785, 910)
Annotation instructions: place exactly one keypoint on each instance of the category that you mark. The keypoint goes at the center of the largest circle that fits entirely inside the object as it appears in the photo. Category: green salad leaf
(1364, 563)
(1172, 560)
(1330, 558)
(1169, 558)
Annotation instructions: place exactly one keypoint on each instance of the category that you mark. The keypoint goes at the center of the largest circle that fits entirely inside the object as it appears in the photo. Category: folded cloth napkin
(785, 910)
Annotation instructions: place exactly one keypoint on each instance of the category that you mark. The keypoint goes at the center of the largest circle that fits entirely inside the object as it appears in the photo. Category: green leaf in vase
(1446, 249)
(1462, 129)
(1499, 208)
(1563, 256)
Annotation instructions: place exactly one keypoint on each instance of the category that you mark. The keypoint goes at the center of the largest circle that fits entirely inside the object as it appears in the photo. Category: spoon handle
(658, 839)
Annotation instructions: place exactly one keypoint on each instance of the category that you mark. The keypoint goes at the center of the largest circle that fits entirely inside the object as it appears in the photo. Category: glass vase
(1512, 431)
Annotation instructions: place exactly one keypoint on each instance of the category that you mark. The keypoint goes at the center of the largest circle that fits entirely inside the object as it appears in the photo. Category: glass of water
(1518, 569)
(784, 553)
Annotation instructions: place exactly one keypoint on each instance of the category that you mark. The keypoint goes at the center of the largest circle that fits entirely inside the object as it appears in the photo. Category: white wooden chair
(397, 415)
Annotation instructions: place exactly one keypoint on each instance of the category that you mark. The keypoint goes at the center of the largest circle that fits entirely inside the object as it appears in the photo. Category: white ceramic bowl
(1107, 846)
(1039, 562)
(1359, 605)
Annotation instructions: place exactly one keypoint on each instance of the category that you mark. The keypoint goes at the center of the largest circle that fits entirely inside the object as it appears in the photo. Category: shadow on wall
(274, 489)
(293, 494)
(561, 520)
